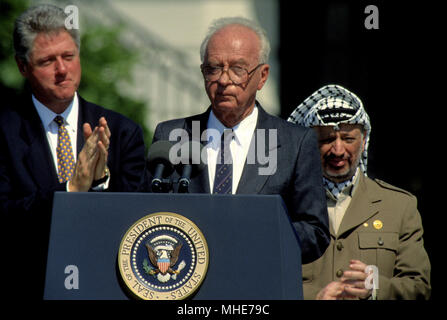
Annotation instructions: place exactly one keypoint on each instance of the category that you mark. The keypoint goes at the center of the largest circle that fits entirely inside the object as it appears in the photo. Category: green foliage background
(107, 65)
(11, 81)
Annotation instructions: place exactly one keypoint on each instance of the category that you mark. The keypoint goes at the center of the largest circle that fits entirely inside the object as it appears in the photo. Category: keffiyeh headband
(332, 105)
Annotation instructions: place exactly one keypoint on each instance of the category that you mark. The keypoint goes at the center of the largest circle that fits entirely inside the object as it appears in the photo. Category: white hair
(220, 23)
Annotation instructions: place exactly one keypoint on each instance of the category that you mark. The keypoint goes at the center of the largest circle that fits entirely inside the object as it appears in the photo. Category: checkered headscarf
(332, 105)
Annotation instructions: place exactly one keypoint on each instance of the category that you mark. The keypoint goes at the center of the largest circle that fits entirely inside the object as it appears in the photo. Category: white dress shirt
(243, 133)
(337, 206)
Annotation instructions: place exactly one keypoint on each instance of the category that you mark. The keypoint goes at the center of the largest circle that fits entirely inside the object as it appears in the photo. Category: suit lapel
(363, 206)
(85, 116)
(251, 181)
(201, 182)
(37, 157)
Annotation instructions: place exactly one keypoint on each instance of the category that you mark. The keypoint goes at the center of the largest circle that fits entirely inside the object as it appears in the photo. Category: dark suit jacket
(28, 178)
(298, 178)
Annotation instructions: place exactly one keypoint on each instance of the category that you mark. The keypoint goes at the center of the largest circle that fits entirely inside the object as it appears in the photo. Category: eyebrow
(44, 58)
(239, 61)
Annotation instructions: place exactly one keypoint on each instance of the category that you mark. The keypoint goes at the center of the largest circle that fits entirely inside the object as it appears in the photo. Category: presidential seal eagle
(163, 252)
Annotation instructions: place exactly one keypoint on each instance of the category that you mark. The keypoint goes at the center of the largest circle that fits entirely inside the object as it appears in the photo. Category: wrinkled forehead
(52, 42)
(233, 41)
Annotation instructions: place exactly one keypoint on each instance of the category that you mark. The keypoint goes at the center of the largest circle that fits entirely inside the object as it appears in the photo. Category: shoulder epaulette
(386, 185)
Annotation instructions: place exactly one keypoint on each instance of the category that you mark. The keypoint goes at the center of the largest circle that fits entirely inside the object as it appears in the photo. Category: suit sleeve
(127, 164)
(310, 210)
(17, 200)
(411, 278)
(158, 134)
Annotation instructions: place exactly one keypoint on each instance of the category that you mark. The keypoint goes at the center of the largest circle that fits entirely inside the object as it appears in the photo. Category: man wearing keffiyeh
(371, 222)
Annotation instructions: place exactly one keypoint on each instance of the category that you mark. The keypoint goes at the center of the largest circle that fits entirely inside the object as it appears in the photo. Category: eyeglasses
(237, 75)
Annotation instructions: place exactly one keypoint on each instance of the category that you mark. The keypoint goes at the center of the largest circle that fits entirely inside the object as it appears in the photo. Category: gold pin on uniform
(378, 224)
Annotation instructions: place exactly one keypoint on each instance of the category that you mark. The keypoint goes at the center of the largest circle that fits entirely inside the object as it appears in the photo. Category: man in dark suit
(234, 65)
(47, 143)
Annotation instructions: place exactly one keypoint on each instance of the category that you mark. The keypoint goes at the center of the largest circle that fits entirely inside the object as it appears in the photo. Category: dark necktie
(223, 179)
(65, 158)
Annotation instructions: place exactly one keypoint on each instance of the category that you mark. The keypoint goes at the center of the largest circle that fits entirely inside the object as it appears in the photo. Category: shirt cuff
(103, 186)
(100, 187)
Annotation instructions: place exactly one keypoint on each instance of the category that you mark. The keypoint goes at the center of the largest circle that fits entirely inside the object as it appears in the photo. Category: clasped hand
(92, 160)
(350, 286)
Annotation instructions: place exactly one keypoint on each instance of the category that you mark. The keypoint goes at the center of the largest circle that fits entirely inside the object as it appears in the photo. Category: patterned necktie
(65, 158)
(223, 180)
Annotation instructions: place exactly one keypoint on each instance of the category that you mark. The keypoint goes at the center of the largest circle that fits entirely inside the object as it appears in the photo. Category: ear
(364, 140)
(22, 65)
(265, 69)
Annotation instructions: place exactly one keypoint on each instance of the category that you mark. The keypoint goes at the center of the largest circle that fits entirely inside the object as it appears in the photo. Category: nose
(61, 68)
(224, 78)
(338, 148)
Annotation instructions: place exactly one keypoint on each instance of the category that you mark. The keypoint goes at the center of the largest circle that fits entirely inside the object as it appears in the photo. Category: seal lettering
(163, 256)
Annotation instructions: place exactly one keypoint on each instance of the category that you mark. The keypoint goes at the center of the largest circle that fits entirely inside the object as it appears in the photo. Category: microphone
(160, 166)
(190, 164)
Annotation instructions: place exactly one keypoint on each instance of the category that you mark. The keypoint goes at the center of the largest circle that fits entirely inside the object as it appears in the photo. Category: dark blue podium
(254, 249)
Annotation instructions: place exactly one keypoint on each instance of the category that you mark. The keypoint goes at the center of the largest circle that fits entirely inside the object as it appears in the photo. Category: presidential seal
(163, 256)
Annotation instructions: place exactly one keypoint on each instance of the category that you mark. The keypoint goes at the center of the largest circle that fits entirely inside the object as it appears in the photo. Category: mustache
(334, 157)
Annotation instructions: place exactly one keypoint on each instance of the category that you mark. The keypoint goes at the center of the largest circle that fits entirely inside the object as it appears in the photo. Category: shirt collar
(243, 131)
(47, 116)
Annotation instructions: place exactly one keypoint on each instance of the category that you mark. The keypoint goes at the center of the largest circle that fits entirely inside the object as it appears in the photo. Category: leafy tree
(107, 66)
(11, 81)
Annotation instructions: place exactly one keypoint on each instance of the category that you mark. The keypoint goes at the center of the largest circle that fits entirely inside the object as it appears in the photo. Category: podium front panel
(253, 247)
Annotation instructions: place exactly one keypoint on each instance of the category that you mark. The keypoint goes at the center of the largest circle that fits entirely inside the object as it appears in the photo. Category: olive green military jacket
(381, 227)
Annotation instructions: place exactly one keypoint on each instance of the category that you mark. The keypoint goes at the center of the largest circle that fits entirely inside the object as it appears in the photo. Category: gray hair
(220, 23)
(45, 18)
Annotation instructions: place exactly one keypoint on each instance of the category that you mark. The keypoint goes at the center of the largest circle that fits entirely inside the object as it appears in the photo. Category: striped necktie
(223, 180)
(64, 151)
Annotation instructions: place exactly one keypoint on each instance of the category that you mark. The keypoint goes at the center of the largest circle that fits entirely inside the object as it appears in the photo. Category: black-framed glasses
(237, 74)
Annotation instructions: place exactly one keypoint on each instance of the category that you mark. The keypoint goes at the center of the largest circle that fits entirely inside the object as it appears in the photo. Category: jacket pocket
(379, 249)
(307, 272)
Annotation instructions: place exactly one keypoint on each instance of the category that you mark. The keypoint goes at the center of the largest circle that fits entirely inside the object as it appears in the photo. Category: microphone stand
(183, 183)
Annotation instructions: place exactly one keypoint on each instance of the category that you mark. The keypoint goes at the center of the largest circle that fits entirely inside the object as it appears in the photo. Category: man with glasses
(235, 66)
